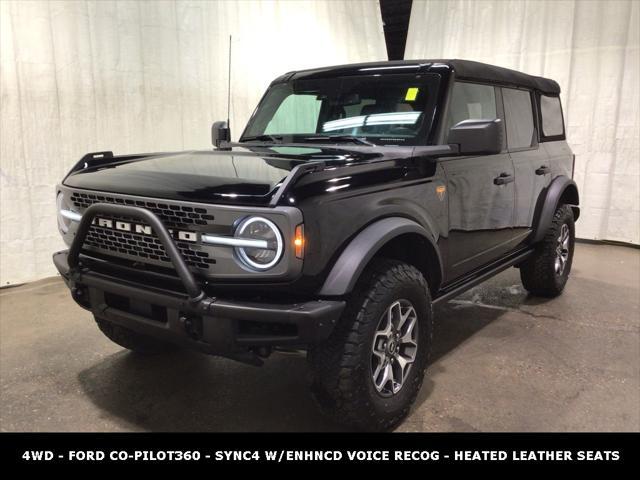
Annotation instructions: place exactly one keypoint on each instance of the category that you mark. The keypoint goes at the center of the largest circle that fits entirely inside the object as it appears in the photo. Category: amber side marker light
(298, 241)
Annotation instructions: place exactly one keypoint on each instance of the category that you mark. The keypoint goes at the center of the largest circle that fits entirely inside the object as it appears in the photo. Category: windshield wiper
(263, 138)
(341, 138)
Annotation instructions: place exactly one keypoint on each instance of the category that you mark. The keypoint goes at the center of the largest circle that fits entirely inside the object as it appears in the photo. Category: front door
(480, 189)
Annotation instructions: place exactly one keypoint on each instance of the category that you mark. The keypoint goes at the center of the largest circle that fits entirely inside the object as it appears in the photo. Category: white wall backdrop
(135, 76)
(592, 49)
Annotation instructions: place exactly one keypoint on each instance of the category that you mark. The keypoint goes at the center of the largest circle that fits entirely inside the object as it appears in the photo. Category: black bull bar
(196, 294)
(216, 331)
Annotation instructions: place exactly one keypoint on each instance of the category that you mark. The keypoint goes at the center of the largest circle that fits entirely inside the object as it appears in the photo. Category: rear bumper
(207, 324)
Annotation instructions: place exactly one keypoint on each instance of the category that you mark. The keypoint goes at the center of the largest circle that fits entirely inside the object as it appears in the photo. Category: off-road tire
(341, 365)
(538, 272)
(131, 340)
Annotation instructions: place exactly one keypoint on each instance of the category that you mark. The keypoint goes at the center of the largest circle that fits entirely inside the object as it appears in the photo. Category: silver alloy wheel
(562, 249)
(395, 344)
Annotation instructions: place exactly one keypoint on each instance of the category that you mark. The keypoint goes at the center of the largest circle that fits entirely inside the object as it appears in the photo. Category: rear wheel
(546, 272)
(131, 340)
(368, 373)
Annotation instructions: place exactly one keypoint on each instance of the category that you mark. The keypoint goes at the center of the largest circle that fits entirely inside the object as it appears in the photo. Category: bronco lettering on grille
(141, 229)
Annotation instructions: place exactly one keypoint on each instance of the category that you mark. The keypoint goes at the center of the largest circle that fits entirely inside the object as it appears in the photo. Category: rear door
(531, 163)
(480, 189)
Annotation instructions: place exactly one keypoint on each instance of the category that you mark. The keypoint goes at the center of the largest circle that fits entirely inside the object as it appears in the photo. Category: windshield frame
(421, 137)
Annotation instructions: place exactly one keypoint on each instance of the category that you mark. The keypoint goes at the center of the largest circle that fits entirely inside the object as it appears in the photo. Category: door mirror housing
(220, 134)
(478, 137)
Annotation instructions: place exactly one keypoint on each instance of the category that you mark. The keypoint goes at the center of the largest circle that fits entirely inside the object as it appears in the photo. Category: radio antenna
(229, 88)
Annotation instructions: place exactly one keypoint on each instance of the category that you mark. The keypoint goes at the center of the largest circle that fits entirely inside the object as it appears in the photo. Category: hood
(241, 176)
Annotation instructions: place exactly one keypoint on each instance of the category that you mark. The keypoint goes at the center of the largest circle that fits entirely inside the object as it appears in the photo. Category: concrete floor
(503, 362)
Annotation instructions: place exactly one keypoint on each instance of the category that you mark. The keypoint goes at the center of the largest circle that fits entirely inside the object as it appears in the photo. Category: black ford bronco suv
(356, 198)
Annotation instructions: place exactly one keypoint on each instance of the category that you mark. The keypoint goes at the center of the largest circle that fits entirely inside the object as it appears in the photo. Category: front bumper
(191, 318)
(210, 325)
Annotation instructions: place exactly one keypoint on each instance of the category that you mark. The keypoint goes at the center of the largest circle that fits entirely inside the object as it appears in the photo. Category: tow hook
(80, 295)
(193, 326)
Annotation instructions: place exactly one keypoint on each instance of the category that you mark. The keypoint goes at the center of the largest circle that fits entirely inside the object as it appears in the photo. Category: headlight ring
(259, 228)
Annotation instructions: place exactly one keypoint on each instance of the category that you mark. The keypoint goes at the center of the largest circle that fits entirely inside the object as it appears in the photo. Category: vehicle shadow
(187, 391)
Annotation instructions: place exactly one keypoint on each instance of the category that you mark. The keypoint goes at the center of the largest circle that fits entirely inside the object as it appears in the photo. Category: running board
(479, 276)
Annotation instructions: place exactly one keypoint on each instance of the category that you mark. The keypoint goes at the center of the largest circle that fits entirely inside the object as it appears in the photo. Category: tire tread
(537, 272)
(336, 361)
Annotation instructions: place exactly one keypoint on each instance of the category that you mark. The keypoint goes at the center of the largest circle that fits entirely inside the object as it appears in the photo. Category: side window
(296, 114)
(470, 101)
(551, 113)
(518, 113)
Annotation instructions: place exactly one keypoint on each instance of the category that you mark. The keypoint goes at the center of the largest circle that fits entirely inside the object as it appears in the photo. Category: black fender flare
(362, 248)
(548, 206)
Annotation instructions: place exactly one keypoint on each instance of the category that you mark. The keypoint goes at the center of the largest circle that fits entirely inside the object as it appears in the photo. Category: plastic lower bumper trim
(211, 325)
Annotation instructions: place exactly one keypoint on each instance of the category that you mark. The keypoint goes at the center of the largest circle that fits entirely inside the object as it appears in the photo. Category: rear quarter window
(551, 116)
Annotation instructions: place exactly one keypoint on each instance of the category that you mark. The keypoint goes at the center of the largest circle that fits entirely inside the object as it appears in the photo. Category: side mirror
(220, 133)
(480, 137)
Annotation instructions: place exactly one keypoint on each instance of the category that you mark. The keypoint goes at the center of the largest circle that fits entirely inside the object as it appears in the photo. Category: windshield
(379, 109)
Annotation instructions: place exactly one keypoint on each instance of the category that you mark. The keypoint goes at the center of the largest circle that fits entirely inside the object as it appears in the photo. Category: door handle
(543, 170)
(503, 179)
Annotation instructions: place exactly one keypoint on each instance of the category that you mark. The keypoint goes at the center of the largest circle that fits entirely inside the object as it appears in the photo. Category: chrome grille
(146, 248)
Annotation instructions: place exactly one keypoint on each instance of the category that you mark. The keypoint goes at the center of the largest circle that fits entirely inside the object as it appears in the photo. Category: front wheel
(546, 272)
(368, 373)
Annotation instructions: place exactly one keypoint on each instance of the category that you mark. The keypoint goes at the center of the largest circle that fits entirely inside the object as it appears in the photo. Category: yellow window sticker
(412, 93)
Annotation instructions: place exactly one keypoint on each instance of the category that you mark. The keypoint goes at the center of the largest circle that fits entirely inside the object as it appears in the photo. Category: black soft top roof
(490, 73)
(463, 69)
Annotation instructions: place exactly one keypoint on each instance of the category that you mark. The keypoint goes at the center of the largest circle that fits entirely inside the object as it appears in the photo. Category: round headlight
(61, 204)
(268, 253)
